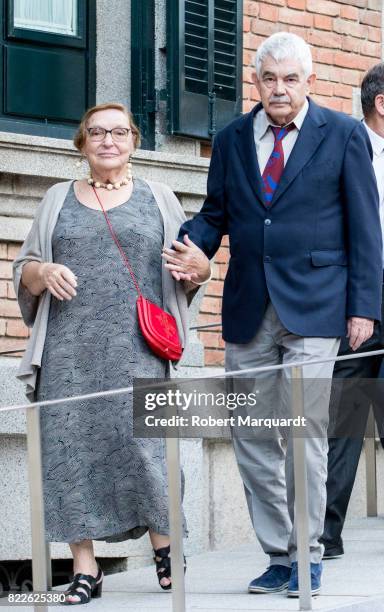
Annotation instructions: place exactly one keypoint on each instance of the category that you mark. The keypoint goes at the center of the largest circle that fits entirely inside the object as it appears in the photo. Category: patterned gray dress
(100, 482)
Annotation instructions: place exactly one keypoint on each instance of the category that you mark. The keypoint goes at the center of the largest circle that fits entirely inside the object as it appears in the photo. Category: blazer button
(267, 259)
(267, 222)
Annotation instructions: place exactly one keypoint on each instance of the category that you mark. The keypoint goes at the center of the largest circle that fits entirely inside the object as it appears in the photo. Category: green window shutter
(196, 23)
(143, 92)
(204, 53)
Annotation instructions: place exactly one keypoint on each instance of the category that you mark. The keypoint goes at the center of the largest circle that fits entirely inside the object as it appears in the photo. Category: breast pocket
(321, 173)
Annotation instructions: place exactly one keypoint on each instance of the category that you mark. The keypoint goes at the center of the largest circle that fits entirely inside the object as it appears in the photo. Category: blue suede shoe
(275, 579)
(293, 586)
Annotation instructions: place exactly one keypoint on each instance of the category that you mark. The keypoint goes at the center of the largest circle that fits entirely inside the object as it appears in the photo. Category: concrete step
(217, 581)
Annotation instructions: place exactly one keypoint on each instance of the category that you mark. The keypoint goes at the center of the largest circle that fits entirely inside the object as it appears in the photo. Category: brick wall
(210, 310)
(345, 37)
(13, 332)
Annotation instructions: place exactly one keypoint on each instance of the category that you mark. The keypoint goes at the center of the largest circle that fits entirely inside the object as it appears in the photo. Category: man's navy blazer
(316, 251)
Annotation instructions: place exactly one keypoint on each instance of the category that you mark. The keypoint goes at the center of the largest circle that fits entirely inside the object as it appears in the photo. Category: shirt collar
(377, 141)
(262, 122)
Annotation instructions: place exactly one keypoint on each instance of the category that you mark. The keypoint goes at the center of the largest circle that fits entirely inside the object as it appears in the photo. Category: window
(56, 16)
(47, 65)
(204, 52)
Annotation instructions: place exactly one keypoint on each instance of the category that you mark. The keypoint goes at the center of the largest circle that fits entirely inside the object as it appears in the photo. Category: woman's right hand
(59, 280)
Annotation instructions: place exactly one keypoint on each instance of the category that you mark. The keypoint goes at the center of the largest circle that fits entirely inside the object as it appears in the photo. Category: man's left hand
(186, 261)
(359, 330)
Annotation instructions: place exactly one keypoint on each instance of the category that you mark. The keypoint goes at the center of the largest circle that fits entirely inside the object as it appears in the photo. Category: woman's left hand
(187, 261)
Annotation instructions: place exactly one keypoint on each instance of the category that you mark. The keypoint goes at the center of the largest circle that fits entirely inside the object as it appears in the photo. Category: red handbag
(158, 327)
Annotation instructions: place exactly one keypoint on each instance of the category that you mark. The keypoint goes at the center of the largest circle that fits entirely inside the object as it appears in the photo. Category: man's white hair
(284, 45)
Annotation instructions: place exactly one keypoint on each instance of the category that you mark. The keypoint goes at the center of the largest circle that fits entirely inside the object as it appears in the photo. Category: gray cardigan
(38, 247)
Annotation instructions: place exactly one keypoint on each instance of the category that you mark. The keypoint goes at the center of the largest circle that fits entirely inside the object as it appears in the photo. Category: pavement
(217, 581)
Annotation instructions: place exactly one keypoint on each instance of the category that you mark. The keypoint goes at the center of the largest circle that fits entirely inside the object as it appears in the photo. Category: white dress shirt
(265, 140)
(377, 143)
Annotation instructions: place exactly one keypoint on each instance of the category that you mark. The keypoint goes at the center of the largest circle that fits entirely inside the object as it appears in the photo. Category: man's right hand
(360, 329)
(59, 280)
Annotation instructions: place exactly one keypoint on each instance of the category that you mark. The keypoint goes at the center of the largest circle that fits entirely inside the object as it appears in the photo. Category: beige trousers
(266, 463)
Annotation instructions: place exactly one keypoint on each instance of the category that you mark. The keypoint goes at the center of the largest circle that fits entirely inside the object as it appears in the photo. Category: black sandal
(162, 559)
(85, 587)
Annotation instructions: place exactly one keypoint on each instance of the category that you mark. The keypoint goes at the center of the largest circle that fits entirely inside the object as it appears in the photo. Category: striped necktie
(275, 164)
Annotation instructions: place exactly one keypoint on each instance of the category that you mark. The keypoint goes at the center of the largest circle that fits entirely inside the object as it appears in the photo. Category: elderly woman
(100, 483)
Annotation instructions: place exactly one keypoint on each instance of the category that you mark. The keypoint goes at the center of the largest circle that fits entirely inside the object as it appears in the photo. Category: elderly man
(292, 185)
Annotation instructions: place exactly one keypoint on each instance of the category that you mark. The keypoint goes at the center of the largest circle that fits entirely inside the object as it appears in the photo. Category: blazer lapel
(245, 144)
(309, 138)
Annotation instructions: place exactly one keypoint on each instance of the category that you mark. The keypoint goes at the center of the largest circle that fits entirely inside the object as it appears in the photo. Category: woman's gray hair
(284, 45)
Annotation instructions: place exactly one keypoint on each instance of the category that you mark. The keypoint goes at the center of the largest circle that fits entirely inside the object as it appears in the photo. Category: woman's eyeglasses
(97, 134)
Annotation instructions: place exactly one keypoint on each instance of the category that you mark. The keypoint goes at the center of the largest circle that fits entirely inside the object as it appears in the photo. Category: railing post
(370, 464)
(301, 494)
(176, 524)
(49, 565)
(39, 546)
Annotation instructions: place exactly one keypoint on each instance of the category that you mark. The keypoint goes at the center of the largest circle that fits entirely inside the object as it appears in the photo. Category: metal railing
(41, 565)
